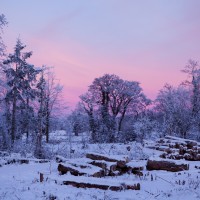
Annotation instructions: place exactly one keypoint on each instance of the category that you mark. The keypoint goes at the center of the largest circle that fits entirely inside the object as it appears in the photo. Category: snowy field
(22, 181)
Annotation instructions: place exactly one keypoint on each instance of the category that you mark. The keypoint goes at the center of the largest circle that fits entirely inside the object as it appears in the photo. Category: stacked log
(99, 165)
(112, 165)
(75, 170)
(60, 159)
(65, 169)
(178, 148)
(166, 165)
(96, 156)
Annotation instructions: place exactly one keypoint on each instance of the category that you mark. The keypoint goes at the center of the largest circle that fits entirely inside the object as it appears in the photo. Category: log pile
(97, 166)
(81, 170)
(111, 165)
(178, 148)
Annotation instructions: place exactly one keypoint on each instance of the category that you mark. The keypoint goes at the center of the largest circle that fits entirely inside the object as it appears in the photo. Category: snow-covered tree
(175, 108)
(78, 120)
(3, 22)
(89, 106)
(192, 69)
(107, 102)
(20, 80)
(52, 92)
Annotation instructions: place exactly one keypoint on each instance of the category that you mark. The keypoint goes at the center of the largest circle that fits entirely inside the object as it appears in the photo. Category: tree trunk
(92, 127)
(38, 150)
(7, 119)
(13, 122)
(120, 122)
(47, 121)
(27, 120)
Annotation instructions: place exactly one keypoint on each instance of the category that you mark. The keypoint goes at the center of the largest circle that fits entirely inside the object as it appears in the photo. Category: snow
(137, 163)
(22, 181)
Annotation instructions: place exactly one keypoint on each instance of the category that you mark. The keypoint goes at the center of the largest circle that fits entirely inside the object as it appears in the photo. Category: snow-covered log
(102, 186)
(76, 170)
(122, 160)
(88, 182)
(166, 165)
(116, 165)
(60, 159)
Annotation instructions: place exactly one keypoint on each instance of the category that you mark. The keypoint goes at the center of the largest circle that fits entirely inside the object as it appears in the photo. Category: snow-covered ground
(22, 181)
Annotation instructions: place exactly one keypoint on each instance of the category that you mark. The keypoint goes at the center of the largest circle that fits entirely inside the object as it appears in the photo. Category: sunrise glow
(149, 42)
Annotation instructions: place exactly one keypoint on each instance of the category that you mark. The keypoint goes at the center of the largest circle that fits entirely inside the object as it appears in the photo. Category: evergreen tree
(21, 78)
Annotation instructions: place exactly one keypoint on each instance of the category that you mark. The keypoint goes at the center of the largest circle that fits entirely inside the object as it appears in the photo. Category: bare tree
(88, 103)
(52, 91)
(41, 115)
(52, 94)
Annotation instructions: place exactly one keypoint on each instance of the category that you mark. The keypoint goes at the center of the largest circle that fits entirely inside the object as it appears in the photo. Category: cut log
(76, 170)
(124, 170)
(178, 157)
(112, 168)
(137, 166)
(191, 144)
(121, 164)
(182, 150)
(94, 156)
(105, 186)
(138, 173)
(166, 165)
(60, 159)
(64, 169)
(114, 158)
(100, 164)
(192, 157)
(105, 166)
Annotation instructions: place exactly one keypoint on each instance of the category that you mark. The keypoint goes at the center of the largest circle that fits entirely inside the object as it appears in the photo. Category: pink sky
(143, 41)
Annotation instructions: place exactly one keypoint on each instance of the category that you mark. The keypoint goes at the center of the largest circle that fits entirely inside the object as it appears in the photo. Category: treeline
(118, 111)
